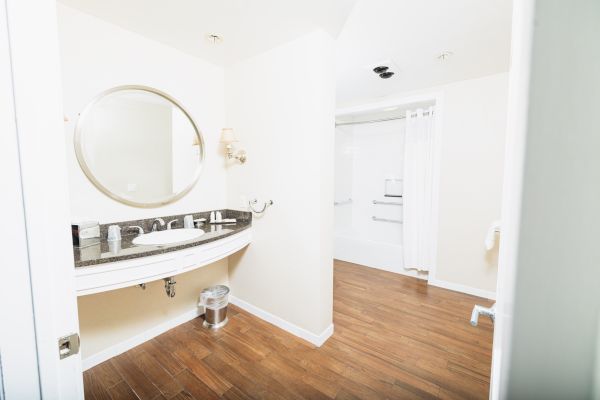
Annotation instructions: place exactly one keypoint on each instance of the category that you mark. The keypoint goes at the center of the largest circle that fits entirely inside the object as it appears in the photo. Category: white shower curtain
(417, 198)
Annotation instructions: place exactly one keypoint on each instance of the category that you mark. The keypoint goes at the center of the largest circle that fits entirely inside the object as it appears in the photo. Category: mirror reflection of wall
(139, 147)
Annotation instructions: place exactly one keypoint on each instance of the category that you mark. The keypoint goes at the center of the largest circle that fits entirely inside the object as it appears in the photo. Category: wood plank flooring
(395, 338)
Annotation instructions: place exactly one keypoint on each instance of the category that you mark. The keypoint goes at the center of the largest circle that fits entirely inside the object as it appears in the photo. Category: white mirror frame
(87, 171)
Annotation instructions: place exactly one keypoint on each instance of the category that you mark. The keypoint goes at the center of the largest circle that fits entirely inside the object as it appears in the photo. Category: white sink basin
(167, 237)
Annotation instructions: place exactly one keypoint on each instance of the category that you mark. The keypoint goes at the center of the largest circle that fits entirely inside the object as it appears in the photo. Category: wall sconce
(228, 137)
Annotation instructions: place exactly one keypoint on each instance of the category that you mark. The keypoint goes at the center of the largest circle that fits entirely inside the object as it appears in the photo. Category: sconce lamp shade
(227, 136)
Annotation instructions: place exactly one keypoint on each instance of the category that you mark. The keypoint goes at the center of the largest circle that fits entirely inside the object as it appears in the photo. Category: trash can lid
(214, 292)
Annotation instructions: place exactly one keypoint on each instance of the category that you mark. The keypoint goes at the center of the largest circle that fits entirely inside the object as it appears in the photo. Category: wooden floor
(395, 338)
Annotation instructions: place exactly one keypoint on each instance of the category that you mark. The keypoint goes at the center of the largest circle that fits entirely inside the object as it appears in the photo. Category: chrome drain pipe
(170, 286)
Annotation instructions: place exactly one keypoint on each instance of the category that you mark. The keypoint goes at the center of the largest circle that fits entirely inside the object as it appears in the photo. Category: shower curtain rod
(374, 120)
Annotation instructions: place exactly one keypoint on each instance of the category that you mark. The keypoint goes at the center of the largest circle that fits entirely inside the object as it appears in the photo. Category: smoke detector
(214, 38)
(445, 55)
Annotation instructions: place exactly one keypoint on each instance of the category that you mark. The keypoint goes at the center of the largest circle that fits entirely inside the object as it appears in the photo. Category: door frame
(403, 100)
(516, 127)
(34, 63)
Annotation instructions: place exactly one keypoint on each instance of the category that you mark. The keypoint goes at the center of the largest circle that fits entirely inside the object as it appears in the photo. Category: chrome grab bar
(342, 202)
(387, 203)
(394, 221)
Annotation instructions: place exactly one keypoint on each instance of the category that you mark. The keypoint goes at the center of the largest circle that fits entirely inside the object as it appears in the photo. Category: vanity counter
(109, 266)
(106, 252)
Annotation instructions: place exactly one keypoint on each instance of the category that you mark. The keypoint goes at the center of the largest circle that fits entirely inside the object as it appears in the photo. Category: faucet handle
(170, 223)
(139, 228)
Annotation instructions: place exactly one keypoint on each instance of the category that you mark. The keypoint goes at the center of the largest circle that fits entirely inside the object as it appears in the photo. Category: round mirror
(139, 146)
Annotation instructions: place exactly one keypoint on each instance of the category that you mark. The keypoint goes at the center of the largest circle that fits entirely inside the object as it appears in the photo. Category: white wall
(97, 56)
(556, 334)
(110, 318)
(281, 104)
(473, 118)
(472, 162)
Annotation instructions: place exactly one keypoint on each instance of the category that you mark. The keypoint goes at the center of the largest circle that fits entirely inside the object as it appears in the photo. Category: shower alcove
(369, 186)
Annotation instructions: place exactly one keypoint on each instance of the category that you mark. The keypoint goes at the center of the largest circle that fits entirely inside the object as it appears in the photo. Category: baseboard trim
(138, 339)
(295, 330)
(463, 289)
(413, 273)
(142, 337)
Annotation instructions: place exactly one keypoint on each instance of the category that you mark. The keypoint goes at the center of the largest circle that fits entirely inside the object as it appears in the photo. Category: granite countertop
(106, 252)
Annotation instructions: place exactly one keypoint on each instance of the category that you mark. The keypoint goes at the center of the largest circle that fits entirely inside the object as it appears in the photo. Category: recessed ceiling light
(390, 109)
(445, 55)
(213, 38)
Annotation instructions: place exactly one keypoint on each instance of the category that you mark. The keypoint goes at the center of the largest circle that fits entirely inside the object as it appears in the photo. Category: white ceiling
(248, 27)
(411, 33)
(408, 33)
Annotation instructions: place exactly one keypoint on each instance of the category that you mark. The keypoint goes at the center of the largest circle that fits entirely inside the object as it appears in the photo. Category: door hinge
(68, 345)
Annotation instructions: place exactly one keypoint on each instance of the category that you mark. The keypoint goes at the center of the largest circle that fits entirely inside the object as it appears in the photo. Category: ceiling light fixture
(391, 108)
(213, 38)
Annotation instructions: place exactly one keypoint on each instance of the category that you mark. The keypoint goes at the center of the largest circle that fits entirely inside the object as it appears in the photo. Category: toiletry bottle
(114, 233)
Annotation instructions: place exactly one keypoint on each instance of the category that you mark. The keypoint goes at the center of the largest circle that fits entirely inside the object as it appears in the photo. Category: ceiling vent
(383, 71)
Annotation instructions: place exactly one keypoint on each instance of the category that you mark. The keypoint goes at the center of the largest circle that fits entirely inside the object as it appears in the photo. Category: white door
(38, 295)
(18, 355)
(551, 349)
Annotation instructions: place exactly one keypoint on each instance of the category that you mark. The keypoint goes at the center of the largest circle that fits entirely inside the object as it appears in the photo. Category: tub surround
(108, 252)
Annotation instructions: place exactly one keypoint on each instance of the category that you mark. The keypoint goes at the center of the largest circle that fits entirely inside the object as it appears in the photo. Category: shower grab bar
(394, 221)
(342, 202)
(387, 203)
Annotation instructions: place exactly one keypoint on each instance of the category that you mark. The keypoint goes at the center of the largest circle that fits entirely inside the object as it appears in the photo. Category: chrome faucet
(156, 224)
(139, 229)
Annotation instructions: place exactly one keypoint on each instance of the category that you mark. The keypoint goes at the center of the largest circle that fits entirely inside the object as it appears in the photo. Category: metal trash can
(215, 300)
